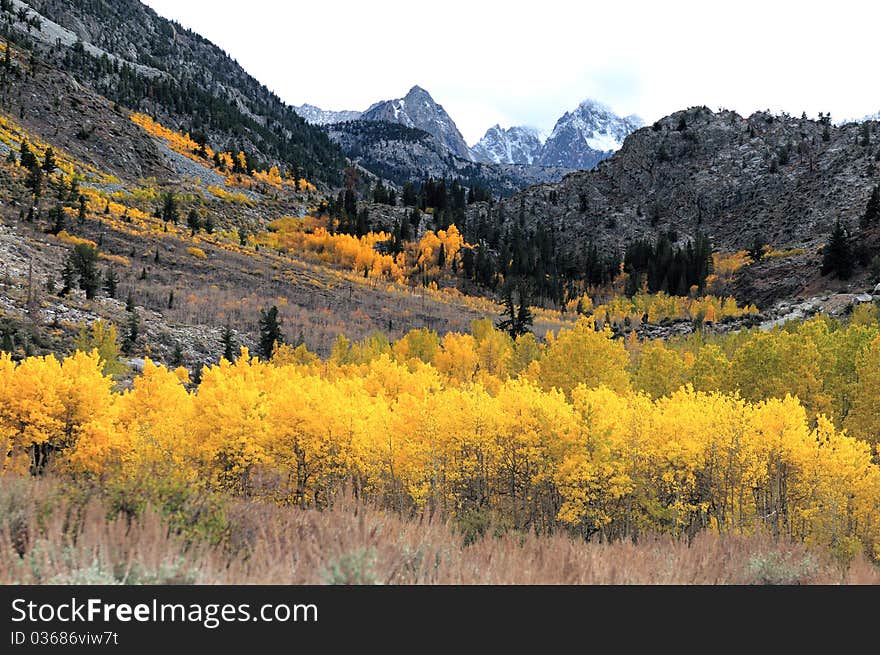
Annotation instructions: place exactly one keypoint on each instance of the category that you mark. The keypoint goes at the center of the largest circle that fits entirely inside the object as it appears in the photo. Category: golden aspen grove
(735, 435)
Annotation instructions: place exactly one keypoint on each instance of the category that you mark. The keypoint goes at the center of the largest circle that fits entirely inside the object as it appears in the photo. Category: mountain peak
(591, 104)
(416, 90)
(419, 110)
(585, 136)
(514, 145)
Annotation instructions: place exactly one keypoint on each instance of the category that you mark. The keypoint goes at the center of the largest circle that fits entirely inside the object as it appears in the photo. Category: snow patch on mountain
(585, 136)
(318, 116)
(514, 145)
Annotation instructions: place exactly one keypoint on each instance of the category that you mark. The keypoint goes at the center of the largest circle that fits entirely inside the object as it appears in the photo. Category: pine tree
(171, 299)
(193, 222)
(57, 220)
(169, 211)
(27, 158)
(517, 321)
(111, 281)
(270, 332)
(6, 344)
(49, 163)
(756, 252)
(81, 217)
(84, 259)
(129, 302)
(227, 340)
(872, 209)
(838, 257)
(68, 277)
(131, 337)
(177, 355)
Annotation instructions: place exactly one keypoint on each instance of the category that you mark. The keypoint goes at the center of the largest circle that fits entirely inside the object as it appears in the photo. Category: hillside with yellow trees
(748, 434)
(217, 330)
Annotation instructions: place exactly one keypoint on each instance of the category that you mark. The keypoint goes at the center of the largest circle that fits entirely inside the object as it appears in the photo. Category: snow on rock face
(587, 135)
(318, 116)
(581, 139)
(515, 145)
(418, 109)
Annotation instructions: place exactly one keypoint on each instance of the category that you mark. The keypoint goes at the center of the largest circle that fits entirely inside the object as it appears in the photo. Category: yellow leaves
(198, 253)
(272, 177)
(657, 307)
(458, 425)
(225, 159)
(102, 338)
(74, 240)
(458, 358)
(225, 162)
(660, 370)
(583, 355)
(230, 196)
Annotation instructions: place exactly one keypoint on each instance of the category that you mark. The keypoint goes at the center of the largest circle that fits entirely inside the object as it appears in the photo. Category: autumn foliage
(577, 434)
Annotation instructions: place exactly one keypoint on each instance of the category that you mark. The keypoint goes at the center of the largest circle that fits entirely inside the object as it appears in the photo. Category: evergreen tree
(68, 277)
(872, 209)
(129, 302)
(57, 220)
(84, 260)
(517, 321)
(133, 331)
(81, 216)
(177, 355)
(363, 222)
(227, 340)
(169, 212)
(838, 257)
(27, 158)
(756, 252)
(35, 181)
(49, 163)
(409, 196)
(193, 222)
(6, 344)
(270, 332)
(111, 282)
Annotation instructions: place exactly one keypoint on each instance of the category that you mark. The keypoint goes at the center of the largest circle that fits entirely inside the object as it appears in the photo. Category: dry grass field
(50, 536)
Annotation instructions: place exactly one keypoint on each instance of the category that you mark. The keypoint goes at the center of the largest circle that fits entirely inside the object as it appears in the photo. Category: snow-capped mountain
(318, 116)
(584, 137)
(514, 145)
(863, 119)
(417, 109)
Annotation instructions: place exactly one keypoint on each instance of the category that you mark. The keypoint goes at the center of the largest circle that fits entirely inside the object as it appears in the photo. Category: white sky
(518, 63)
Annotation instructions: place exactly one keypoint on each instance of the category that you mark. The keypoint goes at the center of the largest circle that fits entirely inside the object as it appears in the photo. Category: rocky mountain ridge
(144, 62)
(780, 180)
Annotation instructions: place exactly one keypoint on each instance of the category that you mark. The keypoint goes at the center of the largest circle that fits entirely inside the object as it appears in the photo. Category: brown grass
(46, 538)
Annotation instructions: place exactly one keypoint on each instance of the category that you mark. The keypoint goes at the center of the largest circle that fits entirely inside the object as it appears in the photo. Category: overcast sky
(518, 63)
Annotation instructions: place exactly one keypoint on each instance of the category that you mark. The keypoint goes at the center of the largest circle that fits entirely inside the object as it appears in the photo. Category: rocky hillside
(779, 179)
(130, 55)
